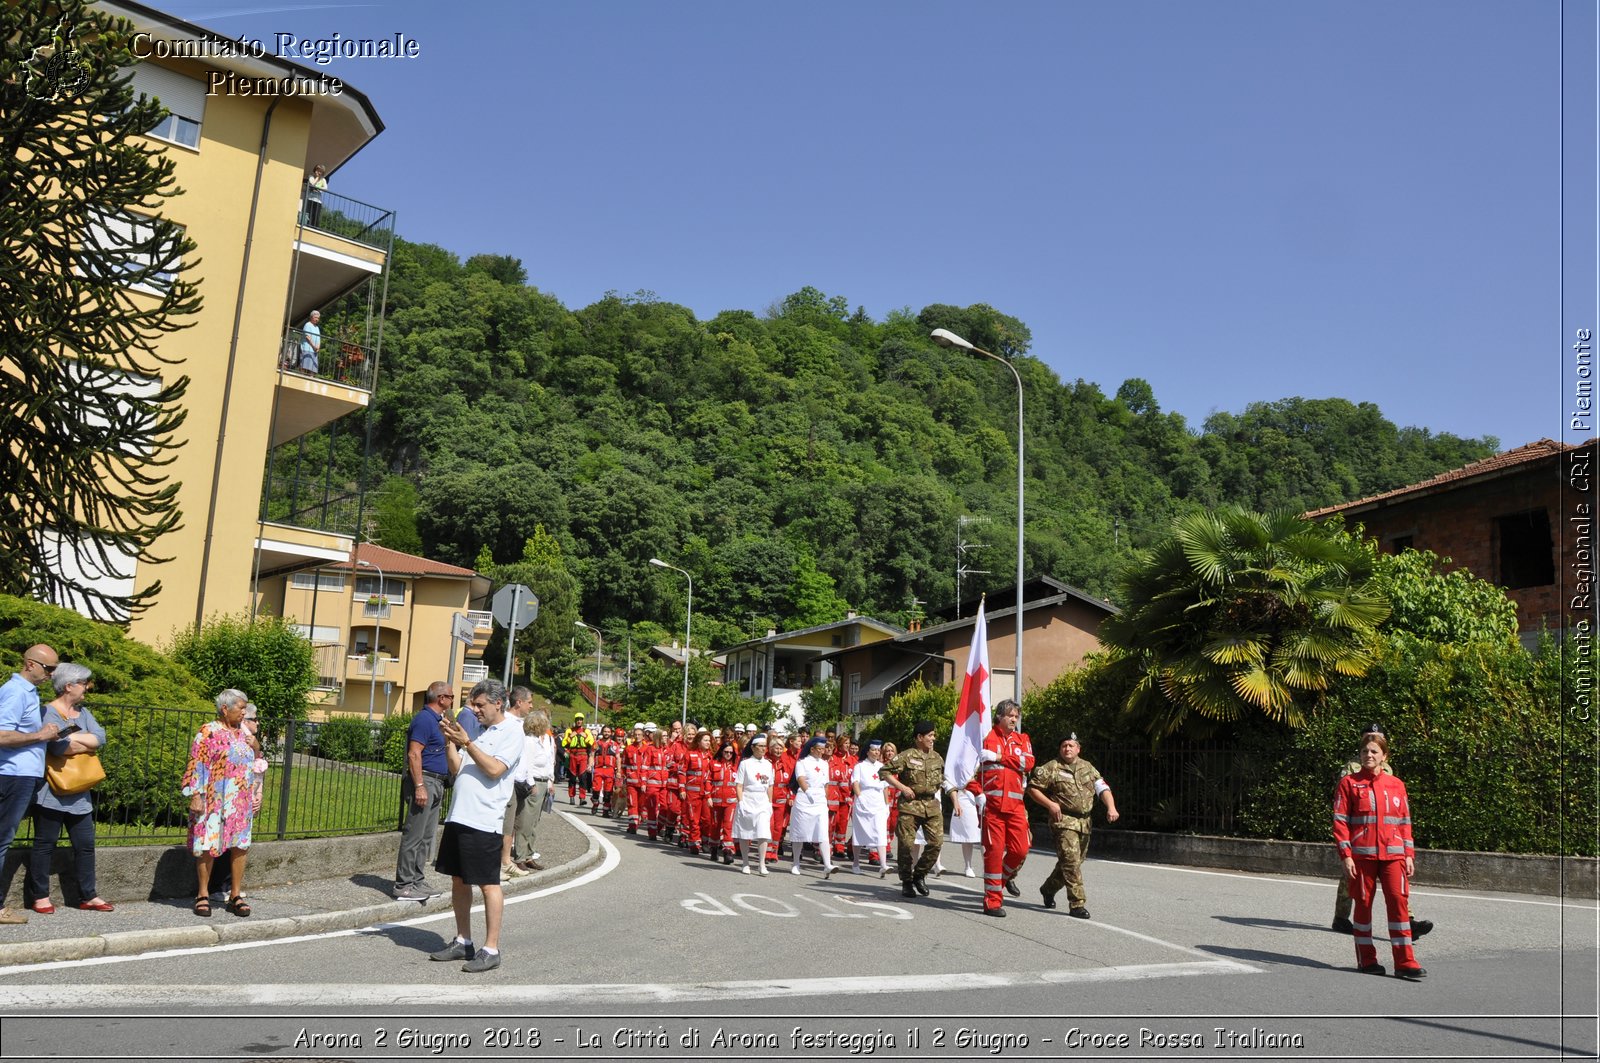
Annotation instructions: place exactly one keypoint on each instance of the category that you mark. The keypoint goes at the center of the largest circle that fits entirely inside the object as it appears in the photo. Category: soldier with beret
(917, 775)
(1067, 787)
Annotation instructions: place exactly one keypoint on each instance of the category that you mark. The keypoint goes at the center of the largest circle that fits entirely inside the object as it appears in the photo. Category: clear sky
(1237, 200)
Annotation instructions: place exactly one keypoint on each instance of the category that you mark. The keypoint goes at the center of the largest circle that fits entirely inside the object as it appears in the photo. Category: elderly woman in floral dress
(220, 784)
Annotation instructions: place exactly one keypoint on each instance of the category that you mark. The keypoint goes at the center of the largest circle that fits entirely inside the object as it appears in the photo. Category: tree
(1238, 613)
(264, 657)
(92, 276)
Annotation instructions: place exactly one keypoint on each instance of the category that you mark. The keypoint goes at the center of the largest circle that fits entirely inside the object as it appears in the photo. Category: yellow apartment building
(382, 625)
(268, 261)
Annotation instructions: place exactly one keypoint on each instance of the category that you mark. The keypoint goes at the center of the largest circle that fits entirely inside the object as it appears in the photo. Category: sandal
(202, 907)
(237, 906)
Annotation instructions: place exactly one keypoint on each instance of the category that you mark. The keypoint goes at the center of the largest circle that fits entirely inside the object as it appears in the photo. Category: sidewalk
(309, 907)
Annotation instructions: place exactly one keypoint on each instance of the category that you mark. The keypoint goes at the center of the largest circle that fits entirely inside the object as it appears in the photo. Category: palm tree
(1239, 612)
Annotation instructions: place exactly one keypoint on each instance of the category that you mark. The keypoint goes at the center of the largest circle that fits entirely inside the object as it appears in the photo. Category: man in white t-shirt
(469, 852)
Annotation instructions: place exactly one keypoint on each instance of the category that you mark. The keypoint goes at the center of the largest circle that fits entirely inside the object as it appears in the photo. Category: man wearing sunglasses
(427, 776)
(23, 735)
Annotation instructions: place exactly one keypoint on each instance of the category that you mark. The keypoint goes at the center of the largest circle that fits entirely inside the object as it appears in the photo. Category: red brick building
(1522, 519)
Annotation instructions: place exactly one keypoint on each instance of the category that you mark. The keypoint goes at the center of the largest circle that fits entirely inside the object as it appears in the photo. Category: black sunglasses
(48, 668)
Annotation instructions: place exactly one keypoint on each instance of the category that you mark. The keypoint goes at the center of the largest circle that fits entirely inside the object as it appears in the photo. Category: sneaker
(412, 893)
(483, 961)
(745, 870)
(12, 917)
(793, 870)
(511, 871)
(456, 950)
(970, 873)
(762, 870)
(1341, 925)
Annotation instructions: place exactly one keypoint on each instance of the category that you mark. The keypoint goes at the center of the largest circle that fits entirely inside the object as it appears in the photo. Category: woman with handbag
(72, 770)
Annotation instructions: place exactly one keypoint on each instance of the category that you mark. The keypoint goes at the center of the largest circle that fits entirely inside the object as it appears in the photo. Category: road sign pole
(511, 649)
(450, 676)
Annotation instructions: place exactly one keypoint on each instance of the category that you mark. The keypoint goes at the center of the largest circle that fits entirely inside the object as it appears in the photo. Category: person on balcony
(311, 342)
(316, 184)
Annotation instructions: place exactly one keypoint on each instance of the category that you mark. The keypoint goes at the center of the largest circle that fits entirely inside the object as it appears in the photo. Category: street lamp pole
(599, 641)
(688, 622)
(372, 679)
(946, 338)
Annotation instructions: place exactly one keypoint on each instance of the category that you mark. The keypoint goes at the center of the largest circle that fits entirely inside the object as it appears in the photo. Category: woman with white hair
(219, 784)
(81, 735)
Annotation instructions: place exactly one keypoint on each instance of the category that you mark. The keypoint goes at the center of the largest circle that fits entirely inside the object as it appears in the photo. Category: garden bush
(392, 740)
(347, 738)
(263, 656)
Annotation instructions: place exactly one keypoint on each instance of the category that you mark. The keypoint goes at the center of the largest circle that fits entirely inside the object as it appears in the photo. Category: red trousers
(720, 827)
(667, 809)
(577, 768)
(780, 822)
(1005, 847)
(652, 808)
(694, 810)
(839, 826)
(1391, 874)
(636, 804)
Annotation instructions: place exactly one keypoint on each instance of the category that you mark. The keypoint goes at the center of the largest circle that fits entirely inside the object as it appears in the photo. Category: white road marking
(406, 994)
(607, 865)
(1449, 895)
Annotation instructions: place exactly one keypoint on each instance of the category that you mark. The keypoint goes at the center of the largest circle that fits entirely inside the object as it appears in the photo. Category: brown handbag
(69, 776)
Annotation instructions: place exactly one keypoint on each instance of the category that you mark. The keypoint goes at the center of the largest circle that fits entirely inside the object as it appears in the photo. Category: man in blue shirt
(23, 735)
(427, 775)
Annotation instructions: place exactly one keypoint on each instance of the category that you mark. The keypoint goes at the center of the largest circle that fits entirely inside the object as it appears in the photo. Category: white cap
(738, 728)
(650, 728)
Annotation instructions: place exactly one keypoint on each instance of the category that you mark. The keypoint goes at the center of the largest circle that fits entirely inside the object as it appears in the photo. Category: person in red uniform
(577, 742)
(672, 783)
(696, 765)
(606, 753)
(655, 776)
(724, 778)
(891, 794)
(780, 789)
(1372, 833)
(1004, 765)
(841, 765)
(636, 771)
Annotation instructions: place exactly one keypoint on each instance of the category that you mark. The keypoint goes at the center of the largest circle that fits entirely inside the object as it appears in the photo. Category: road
(657, 955)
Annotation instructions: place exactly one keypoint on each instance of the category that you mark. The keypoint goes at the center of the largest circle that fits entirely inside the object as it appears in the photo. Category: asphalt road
(658, 955)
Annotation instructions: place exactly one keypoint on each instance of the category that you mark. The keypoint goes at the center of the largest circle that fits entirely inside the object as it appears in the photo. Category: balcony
(338, 245)
(350, 219)
(474, 672)
(371, 666)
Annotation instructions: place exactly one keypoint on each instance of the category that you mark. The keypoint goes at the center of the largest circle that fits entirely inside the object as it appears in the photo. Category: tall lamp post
(688, 621)
(377, 614)
(599, 641)
(946, 338)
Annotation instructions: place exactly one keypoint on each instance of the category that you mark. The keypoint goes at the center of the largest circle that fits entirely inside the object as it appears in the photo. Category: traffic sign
(515, 606)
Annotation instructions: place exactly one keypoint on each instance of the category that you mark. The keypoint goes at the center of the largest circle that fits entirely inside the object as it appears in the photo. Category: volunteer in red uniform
(672, 783)
(1372, 833)
(724, 778)
(841, 765)
(605, 772)
(635, 770)
(780, 788)
(1003, 769)
(696, 765)
(577, 742)
(655, 776)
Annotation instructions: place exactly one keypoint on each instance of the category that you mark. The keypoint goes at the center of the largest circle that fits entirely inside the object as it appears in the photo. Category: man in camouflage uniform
(1067, 787)
(917, 774)
(1342, 903)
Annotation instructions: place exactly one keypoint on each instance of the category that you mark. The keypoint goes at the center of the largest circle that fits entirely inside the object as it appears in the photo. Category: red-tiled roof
(1496, 465)
(395, 563)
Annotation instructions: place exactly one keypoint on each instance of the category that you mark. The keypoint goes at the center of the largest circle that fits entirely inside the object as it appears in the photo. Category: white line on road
(406, 994)
(1449, 895)
(612, 859)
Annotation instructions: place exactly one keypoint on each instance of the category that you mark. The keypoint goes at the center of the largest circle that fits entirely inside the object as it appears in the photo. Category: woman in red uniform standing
(1372, 832)
(724, 796)
(696, 763)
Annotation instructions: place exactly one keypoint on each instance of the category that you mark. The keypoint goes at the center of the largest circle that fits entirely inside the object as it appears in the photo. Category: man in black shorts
(469, 852)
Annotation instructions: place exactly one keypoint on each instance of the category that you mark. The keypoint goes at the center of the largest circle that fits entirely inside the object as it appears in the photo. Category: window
(321, 581)
(129, 248)
(394, 590)
(1400, 543)
(1524, 550)
(853, 697)
(79, 561)
(113, 406)
(183, 97)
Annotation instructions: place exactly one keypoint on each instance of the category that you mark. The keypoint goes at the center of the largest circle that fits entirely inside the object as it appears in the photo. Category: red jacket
(1372, 817)
(1005, 778)
(605, 760)
(782, 772)
(724, 775)
(695, 763)
(636, 763)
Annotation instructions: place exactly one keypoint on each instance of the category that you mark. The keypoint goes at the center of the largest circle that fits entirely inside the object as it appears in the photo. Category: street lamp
(946, 338)
(377, 614)
(599, 641)
(688, 621)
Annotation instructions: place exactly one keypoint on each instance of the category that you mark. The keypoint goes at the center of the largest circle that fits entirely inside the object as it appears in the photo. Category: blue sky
(1237, 200)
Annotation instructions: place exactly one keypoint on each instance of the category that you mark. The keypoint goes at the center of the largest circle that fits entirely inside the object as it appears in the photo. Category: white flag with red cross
(973, 717)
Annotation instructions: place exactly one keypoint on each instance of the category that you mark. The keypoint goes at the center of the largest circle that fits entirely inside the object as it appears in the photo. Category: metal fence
(341, 360)
(352, 219)
(306, 793)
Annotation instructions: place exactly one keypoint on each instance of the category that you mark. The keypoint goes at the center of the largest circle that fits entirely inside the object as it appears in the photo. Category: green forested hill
(771, 453)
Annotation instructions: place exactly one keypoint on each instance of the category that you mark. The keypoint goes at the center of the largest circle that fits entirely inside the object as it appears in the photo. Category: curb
(133, 942)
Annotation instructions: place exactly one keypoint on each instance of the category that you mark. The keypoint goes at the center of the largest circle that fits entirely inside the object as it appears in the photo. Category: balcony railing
(352, 219)
(327, 358)
(474, 672)
(307, 504)
(482, 619)
(329, 658)
(366, 664)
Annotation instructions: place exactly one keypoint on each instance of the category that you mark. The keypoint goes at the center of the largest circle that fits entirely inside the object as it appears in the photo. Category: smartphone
(68, 729)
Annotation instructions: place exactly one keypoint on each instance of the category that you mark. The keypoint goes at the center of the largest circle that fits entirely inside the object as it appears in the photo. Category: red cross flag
(973, 718)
